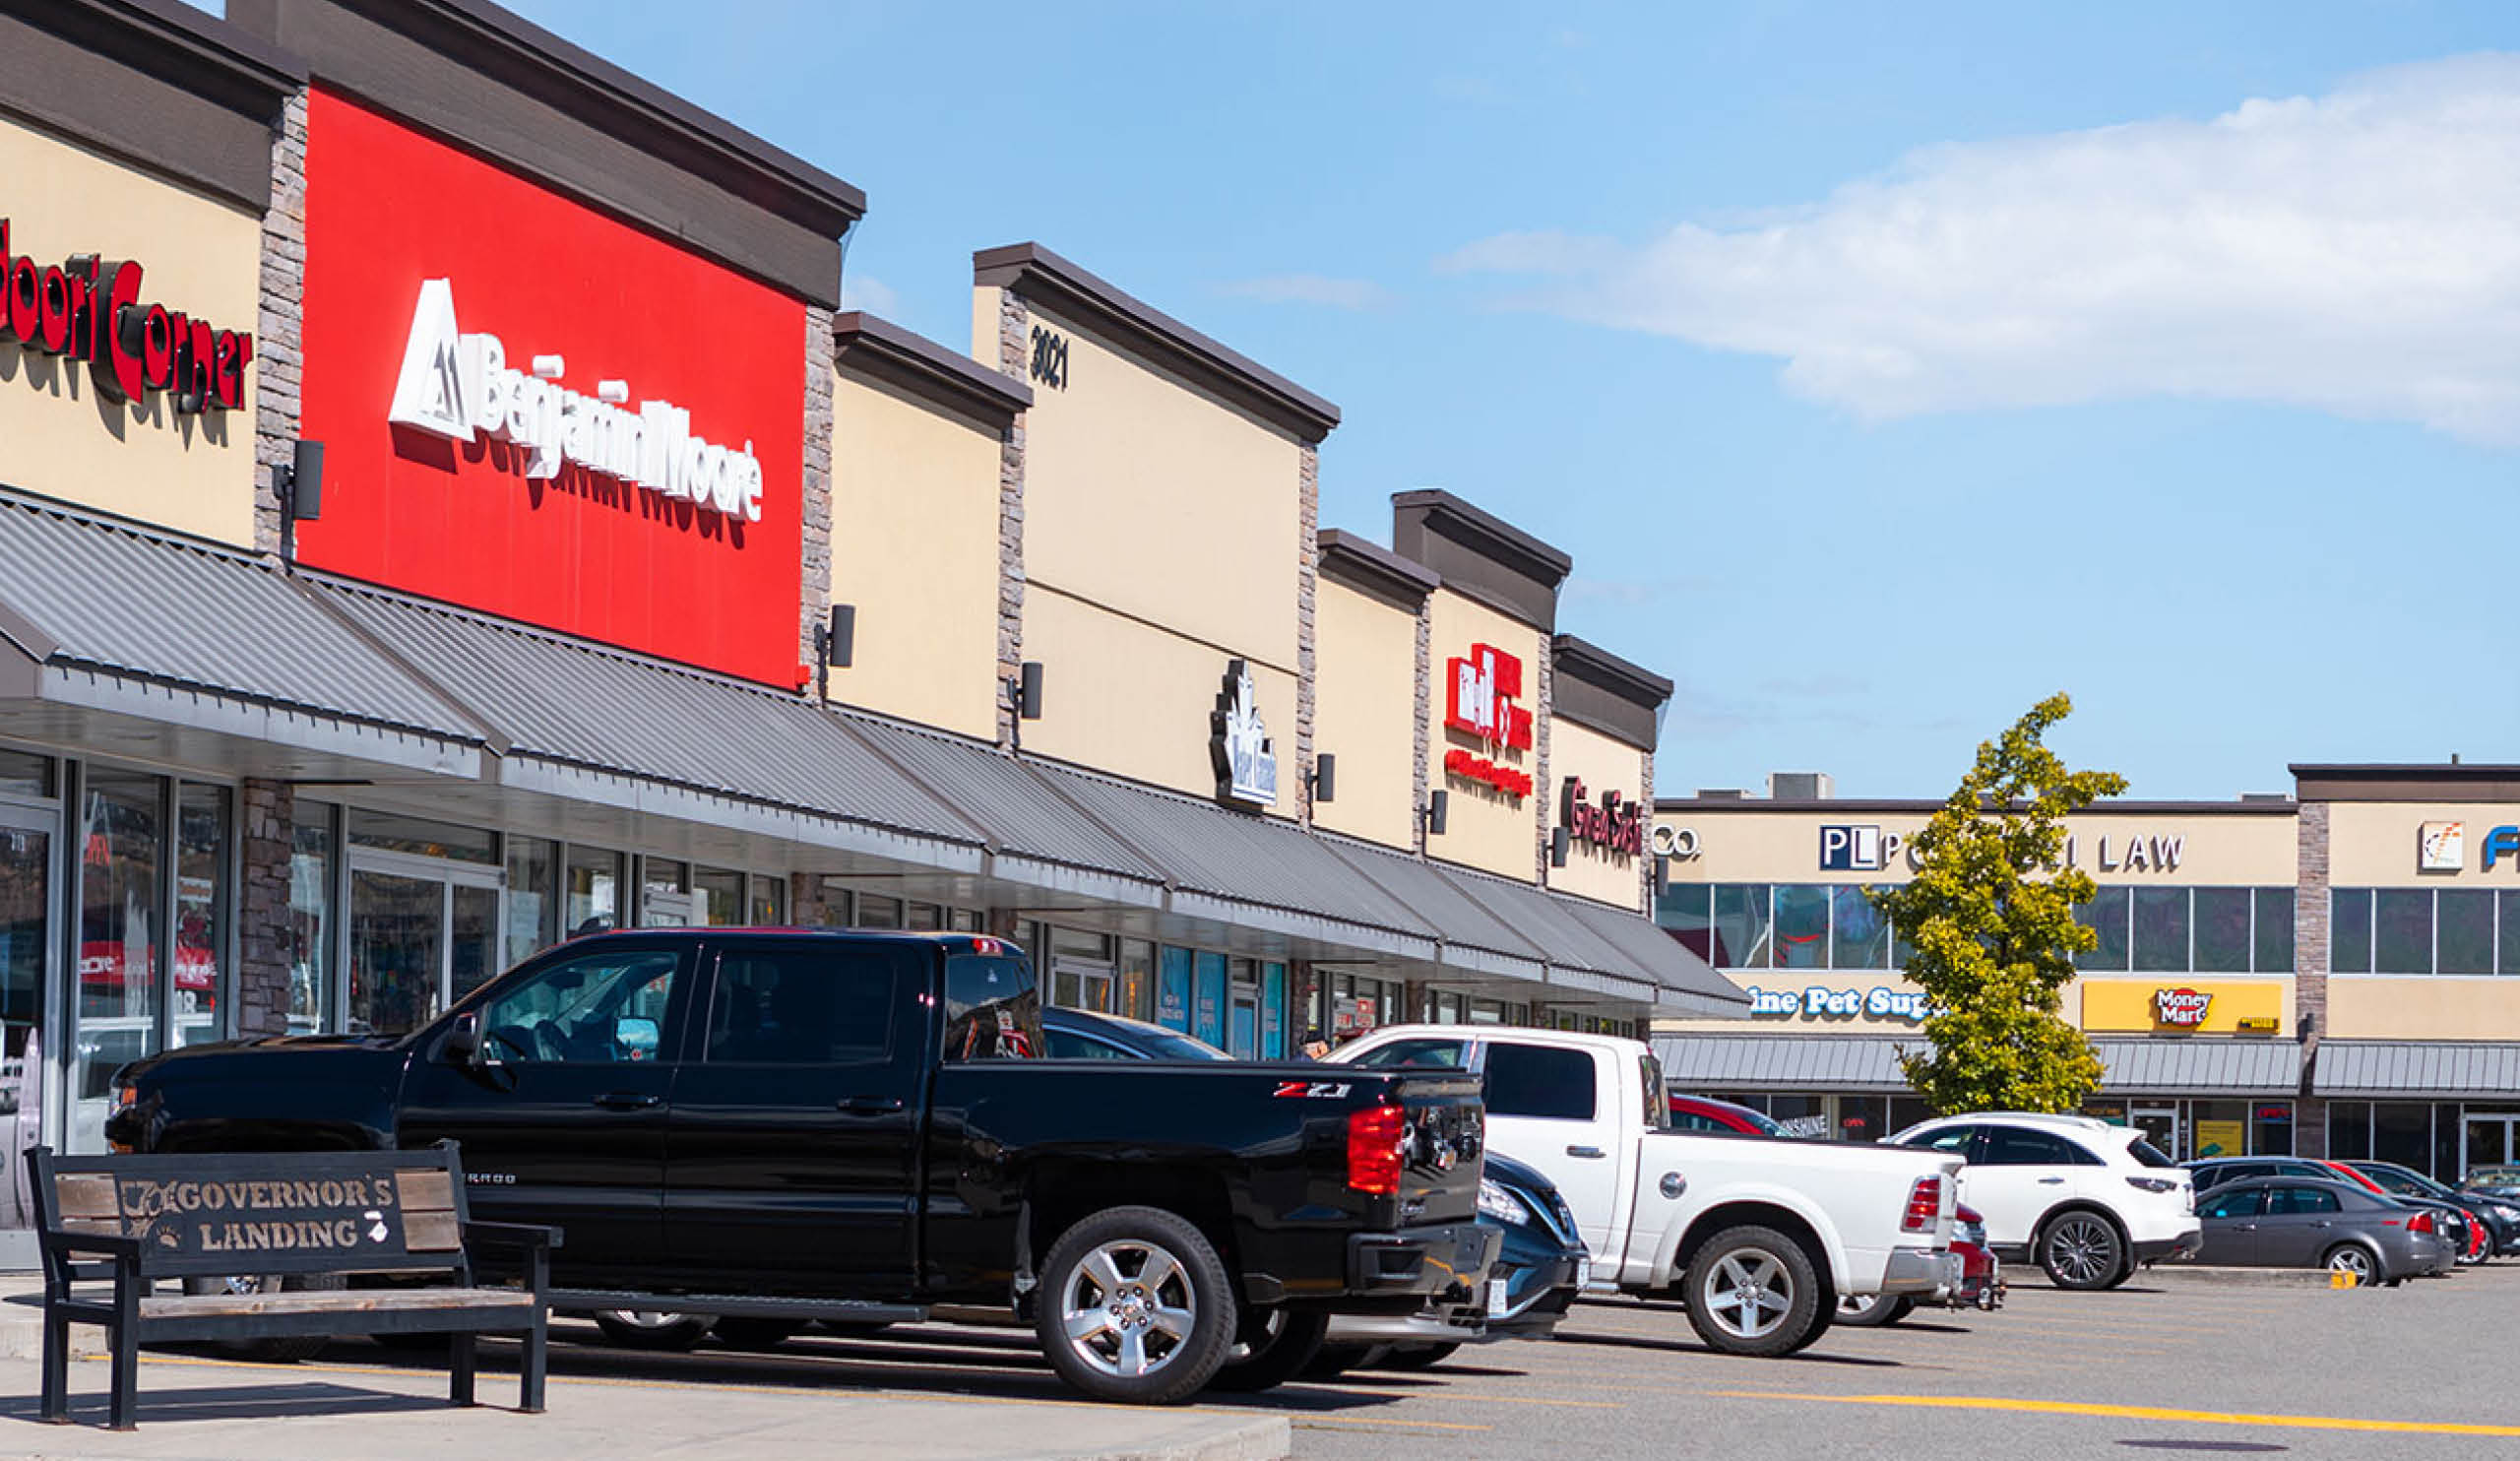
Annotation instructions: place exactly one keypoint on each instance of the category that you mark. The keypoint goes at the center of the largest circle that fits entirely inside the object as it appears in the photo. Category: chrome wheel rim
(1748, 1294)
(1269, 1329)
(2081, 1250)
(648, 1319)
(2351, 1260)
(1127, 1308)
(1861, 1306)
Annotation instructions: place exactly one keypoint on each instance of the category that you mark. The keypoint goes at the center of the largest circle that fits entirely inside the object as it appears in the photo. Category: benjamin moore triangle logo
(430, 396)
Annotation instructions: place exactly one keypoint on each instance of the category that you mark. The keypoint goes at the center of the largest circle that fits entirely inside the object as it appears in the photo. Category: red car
(2475, 1240)
(1981, 1284)
(1722, 1119)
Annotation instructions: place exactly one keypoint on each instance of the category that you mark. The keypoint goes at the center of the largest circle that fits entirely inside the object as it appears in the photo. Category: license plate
(1583, 1273)
(1497, 1302)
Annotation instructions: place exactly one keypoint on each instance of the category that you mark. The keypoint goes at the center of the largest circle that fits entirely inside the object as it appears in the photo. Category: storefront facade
(633, 583)
(2321, 974)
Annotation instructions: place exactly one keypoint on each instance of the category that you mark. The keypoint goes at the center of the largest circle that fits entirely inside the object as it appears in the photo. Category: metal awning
(162, 646)
(1475, 941)
(2192, 1065)
(1687, 981)
(1842, 1063)
(1591, 957)
(589, 723)
(2409, 1068)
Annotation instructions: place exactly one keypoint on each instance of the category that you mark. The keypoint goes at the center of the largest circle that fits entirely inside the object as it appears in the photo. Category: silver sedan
(2301, 1223)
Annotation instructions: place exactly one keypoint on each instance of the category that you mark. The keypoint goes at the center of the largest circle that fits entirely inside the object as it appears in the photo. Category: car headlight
(1495, 1202)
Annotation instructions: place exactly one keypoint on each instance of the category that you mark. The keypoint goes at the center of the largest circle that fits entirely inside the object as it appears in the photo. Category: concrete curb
(1255, 1438)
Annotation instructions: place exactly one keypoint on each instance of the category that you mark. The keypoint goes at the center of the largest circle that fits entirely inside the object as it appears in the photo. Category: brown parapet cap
(876, 348)
(1483, 530)
(1037, 273)
(1360, 564)
(181, 43)
(2453, 781)
(1622, 678)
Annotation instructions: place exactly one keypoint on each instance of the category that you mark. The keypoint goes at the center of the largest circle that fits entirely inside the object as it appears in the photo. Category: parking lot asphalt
(2160, 1368)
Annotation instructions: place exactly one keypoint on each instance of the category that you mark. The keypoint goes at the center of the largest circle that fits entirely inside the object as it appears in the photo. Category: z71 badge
(1313, 1090)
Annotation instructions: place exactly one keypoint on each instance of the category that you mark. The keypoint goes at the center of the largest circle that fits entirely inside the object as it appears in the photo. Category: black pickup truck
(788, 1124)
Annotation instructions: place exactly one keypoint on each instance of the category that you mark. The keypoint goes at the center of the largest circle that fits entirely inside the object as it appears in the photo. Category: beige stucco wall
(1365, 677)
(2212, 850)
(915, 547)
(1134, 700)
(138, 459)
(1484, 828)
(1605, 764)
(2372, 844)
(2435, 1007)
(1147, 495)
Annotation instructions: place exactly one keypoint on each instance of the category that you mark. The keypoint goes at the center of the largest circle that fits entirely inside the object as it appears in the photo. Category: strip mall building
(638, 584)
(2334, 971)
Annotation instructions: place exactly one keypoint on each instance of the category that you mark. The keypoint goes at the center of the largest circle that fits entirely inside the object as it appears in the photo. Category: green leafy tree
(1990, 918)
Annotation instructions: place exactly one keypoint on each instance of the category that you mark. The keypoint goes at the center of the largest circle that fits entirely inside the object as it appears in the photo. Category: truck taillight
(1373, 1150)
(1924, 1205)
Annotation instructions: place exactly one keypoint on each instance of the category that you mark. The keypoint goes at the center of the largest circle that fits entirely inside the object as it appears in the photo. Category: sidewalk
(200, 1409)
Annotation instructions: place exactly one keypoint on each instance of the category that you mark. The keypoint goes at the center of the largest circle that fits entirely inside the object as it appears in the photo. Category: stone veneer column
(807, 908)
(2310, 968)
(1644, 854)
(814, 514)
(1307, 589)
(266, 935)
(1013, 332)
(277, 345)
(1422, 775)
(1543, 793)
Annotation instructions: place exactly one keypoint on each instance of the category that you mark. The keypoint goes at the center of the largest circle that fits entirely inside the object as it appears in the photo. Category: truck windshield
(992, 1008)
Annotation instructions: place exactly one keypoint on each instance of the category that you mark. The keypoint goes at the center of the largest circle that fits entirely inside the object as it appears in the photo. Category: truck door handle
(2243, 1227)
(1586, 1151)
(869, 1105)
(627, 1100)
(2322, 1223)
(2051, 1182)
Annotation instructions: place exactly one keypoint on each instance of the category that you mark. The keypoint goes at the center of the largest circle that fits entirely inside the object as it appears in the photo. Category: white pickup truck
(1760, 1238)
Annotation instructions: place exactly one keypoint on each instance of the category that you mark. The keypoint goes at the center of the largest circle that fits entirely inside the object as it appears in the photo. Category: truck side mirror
(463, 1040)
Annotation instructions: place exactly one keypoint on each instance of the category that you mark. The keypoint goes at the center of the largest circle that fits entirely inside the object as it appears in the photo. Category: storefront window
(26, 775)
(1801, 926)
(2274, 931)
(2217, 1128)
(2349, 1129)
(1740, 926)
(839, 906)
(533, 897)
(2161, 931)
(1687, 909)
(2402, 1132)
(121, 832)
(2402, 933)
(2223, 930)
(392, 832)
(1137, 979)
(1273, 1011)
(1863, 1117)
(1800, 1115)
(769, 900)
(2270, 1131)
(2466, 935)
(201, 919)
(1858, 932)
(25, 934)
(966, 920)
(595, 891)
(1242, 1016)
(717, 897)
(310, 918)
(665, 893)
(2106, 915)
(2349, 935)
(1173, 990)
(885, 913)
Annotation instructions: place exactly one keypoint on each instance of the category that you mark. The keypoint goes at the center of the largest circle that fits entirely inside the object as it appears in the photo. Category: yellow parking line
(2135, 1413)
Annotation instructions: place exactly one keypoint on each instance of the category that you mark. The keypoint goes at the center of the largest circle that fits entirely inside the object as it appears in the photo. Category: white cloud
(868, 292)
(2357, 253)
(1311, 288)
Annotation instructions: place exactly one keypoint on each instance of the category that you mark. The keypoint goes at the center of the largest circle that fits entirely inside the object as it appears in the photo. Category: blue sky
(1883, 367)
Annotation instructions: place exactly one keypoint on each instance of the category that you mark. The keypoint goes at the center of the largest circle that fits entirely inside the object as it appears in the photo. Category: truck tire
(1753, 1290)
(1274, 1347)
(1875, 1310)
(652, 1329)
(287, 1351)
(1135, 1307)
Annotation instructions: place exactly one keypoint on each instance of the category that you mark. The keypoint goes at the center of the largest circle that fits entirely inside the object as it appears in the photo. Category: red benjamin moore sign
(532, 408)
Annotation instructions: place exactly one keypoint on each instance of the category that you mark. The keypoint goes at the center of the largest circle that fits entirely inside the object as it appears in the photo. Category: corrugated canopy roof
(2417, 1067)
(1707, 1064)
(2175, 1067)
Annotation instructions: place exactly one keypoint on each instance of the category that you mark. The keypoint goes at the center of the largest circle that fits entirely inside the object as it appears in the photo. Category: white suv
(2085, 1201)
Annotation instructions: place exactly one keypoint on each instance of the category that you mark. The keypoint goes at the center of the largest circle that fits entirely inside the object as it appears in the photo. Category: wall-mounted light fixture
(1023, 697)
(840, 637)
(1324, 780)
(1438, 804)
(299, 484)
(1560, 842)
(1662, 872)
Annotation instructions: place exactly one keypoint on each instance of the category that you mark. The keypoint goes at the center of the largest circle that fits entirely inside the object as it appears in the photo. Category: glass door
(26, 913)
(2160, 1125)
(423, 934)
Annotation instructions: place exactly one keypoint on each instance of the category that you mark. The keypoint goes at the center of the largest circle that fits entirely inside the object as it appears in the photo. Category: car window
(1414, 1055)
(1952, 1139)
(2016, 1146)
(2240, 1205)
(1531, 1080)
(818, 1004)
(992, 1007)
(2147, 1153)
(2294, 1200)
(604, 1007)
(1067, 1045)
(1690, 1121)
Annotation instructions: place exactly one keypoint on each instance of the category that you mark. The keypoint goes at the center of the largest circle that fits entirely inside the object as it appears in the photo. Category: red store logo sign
(1480, 697)
(1614, 824)
(90, 309)
(2185, 1008)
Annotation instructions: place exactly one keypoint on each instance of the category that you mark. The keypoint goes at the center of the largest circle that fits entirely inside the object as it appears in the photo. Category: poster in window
(1173, 991)
(1210, 999)
(2221, 1139)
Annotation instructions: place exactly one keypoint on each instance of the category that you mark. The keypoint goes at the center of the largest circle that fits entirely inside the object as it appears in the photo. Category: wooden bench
(133, 1222)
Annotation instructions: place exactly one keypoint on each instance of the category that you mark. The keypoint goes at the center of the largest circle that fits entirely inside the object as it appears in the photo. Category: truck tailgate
(1445, 1137)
